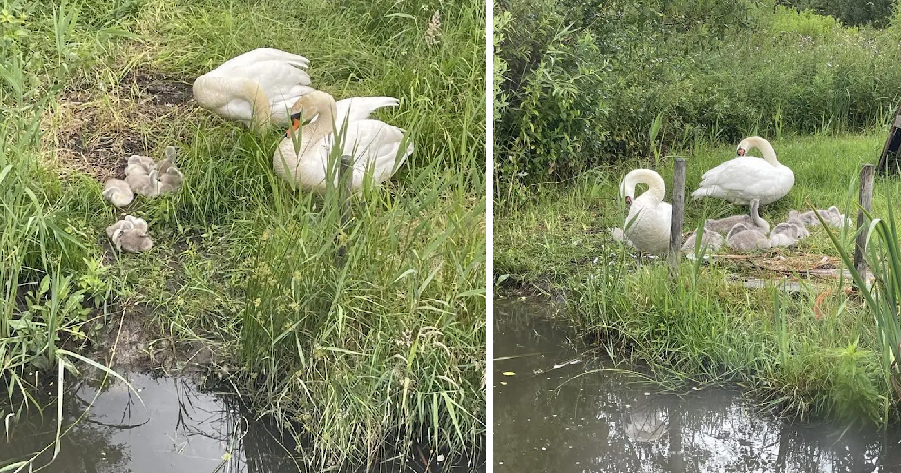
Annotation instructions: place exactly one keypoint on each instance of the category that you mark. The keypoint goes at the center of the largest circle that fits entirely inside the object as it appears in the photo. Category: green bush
(585, 88)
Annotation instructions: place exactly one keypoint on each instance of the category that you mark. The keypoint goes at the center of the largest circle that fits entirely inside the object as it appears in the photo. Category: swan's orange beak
(740, 151)
(295, 123)
(628, 200)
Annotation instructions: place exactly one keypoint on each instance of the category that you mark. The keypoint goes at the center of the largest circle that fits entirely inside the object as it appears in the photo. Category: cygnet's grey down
(137, 222)
(743, 238)
(710, 241)
(141, 175)
(118, 192)
(138, 164)
(144, 184)
(788, 233)
(171, 180)
(832, 216)
(752, 220)
(130, 234)
(169, 176)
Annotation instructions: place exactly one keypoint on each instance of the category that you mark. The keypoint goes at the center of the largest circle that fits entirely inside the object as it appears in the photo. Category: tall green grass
(358, 355)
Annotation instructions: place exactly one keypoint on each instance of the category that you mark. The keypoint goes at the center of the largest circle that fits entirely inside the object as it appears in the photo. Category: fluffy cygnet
(118, 192)
(832, 216)
(710, 240)
(788, 233)
(742, 238)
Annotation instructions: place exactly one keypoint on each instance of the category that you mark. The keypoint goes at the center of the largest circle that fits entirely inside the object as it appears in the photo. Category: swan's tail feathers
(700, 193)
(360, 108)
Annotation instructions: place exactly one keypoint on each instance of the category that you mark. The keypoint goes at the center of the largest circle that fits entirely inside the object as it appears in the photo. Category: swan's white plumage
(745, 178)
(374, 145)
(264, 81)
(648, 224)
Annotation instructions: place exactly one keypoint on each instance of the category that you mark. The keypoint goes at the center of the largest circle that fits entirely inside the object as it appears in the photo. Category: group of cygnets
(744, 233)
(145, 177)
(744, 180)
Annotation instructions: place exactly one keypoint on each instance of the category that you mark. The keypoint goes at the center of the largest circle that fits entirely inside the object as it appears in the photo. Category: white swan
(745, 178)
(256, 88)
(648, 223)
(301, 158)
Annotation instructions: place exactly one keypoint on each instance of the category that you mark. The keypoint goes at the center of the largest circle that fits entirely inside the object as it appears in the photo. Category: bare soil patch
(95, 129)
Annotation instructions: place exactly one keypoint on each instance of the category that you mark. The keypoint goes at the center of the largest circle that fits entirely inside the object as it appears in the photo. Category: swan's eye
(628, 200)
(741, 151)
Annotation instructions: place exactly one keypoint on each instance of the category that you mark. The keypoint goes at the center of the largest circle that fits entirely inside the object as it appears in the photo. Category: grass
(358, 356)
(709, 327)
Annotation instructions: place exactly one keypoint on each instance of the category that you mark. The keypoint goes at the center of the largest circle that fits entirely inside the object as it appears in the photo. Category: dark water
(564, 411)
(178, 428)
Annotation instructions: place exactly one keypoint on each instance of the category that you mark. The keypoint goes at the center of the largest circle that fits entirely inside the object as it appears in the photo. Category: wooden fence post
(675, 236)
(866, 201)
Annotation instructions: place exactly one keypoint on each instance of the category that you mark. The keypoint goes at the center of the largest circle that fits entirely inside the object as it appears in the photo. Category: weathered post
(675, 236)
(866, 201)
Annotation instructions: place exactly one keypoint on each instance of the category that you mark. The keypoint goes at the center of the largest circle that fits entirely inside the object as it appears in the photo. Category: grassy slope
(355, 354)
(711, 327)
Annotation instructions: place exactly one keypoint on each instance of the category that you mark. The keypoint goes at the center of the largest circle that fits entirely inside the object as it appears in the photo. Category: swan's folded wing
(376, 146)
(250, 58)
(746, 174)
(360, 108)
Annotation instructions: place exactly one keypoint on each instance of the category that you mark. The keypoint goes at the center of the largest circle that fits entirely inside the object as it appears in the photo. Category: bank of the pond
(561, 407)
(814, 352)
(353, 335)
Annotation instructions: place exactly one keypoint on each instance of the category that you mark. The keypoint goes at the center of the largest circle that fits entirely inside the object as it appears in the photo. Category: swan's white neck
(325, 108)
(656, 186)
(763, 145)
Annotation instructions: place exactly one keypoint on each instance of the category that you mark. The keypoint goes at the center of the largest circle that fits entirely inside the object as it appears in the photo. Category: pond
(170, 425)
(559, 407)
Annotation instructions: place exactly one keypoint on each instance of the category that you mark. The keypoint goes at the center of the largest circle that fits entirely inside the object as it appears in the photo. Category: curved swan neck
(656, 186)
(325, 108)
(763, 145)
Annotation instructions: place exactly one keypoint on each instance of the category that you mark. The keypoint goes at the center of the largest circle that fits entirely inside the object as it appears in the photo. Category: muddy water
(169, 426)
(559, 409)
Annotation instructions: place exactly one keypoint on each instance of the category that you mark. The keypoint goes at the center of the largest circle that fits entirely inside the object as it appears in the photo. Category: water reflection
(172, 427)
(554, 414)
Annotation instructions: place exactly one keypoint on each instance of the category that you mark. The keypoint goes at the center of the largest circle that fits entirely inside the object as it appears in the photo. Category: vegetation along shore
(357, 327)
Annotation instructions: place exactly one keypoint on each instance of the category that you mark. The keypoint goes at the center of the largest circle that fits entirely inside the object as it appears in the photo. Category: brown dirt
(791, 263)
(94, 131)
(126, 345)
